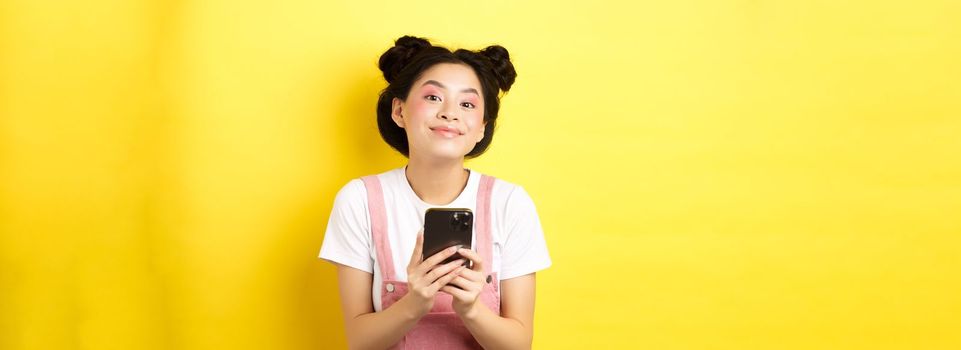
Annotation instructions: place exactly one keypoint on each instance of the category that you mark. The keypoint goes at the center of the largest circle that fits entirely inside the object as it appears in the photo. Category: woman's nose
(448, 115)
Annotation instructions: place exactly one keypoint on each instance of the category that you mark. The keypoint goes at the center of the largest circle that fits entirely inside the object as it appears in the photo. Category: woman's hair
(411, 56)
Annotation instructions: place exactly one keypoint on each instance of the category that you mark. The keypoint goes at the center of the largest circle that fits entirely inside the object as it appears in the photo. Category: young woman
(439, 108)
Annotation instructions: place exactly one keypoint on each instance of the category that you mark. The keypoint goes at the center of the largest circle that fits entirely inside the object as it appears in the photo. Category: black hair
(411, 56)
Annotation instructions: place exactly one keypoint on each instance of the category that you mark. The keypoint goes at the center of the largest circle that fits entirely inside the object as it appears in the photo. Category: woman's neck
(437, 183)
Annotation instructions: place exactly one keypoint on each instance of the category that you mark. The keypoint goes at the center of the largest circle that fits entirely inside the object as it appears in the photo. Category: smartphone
(446, 227)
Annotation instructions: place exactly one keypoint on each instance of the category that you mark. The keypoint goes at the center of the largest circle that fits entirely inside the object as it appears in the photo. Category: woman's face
(443, 114)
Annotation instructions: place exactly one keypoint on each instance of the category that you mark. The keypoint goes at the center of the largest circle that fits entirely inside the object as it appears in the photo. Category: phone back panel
(445, 227)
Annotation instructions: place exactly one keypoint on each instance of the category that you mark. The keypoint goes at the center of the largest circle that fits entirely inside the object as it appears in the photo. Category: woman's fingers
(442, 270)
(458, 293)
(463, 283)
(476, 276)
(478, 263)
(428, 264)
(445, 279)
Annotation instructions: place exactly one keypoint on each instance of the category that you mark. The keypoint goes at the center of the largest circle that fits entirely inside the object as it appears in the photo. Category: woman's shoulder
(509, 194)
(357, 185)
(504, 186)
(355, 190)
(352, 195)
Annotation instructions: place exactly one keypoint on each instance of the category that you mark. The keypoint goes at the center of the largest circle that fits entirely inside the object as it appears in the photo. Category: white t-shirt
(519, 246)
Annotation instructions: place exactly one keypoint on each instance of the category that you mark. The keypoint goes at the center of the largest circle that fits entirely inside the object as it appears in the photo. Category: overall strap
(485, 244)
(378, 226)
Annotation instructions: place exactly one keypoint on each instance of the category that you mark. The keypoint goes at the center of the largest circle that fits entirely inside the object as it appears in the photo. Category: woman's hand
(426, 277)
(466, 287)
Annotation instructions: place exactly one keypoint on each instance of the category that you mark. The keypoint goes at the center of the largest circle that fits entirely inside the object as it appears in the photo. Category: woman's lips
(446, 132)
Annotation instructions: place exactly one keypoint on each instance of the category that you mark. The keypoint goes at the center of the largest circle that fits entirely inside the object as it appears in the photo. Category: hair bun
(396, 58)
(501, 64)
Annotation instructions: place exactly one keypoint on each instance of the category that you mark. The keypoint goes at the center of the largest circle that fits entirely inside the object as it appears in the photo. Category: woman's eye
(467, 105)
(432, 98)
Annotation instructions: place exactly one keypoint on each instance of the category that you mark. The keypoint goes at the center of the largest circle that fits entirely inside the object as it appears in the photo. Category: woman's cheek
(475, 120)
(420, 108)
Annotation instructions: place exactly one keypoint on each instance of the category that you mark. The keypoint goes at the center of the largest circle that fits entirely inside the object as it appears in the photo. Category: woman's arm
(367, 329)
(513, 330)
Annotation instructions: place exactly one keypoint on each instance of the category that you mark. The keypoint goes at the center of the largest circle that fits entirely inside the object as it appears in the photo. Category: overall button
(489, 278)
(390, 287)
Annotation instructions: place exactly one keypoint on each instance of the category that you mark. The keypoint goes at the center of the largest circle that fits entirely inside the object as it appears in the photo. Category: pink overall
(440, 328)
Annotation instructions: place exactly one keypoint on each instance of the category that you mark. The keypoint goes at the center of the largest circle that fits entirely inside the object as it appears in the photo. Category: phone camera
(460, 221)
(454, 221)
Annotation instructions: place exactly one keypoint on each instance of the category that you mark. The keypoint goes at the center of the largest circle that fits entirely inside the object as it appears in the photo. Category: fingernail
(452, 249)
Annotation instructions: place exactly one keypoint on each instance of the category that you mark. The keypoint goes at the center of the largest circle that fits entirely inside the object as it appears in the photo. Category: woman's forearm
(495, 332)
(380, 330)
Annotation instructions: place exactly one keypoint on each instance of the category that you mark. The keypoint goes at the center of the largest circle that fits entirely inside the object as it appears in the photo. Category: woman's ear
(396, 112)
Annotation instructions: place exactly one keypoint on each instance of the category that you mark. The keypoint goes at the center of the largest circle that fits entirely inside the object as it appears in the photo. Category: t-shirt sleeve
(347, 239)
(525, 250)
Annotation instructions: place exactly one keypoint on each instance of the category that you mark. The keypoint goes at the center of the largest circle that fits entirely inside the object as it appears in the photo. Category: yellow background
(710, 174)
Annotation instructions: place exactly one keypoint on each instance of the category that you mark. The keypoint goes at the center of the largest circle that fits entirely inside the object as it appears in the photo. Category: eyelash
(469, 105)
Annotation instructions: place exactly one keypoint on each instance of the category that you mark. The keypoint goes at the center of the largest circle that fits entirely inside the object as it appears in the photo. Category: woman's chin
(454, 155)
(446, 153)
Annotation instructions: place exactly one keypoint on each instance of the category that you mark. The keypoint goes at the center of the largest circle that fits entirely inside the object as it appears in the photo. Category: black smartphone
(446, 227)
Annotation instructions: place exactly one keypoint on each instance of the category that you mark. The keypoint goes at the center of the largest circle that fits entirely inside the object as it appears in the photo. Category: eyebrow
(438, 84)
